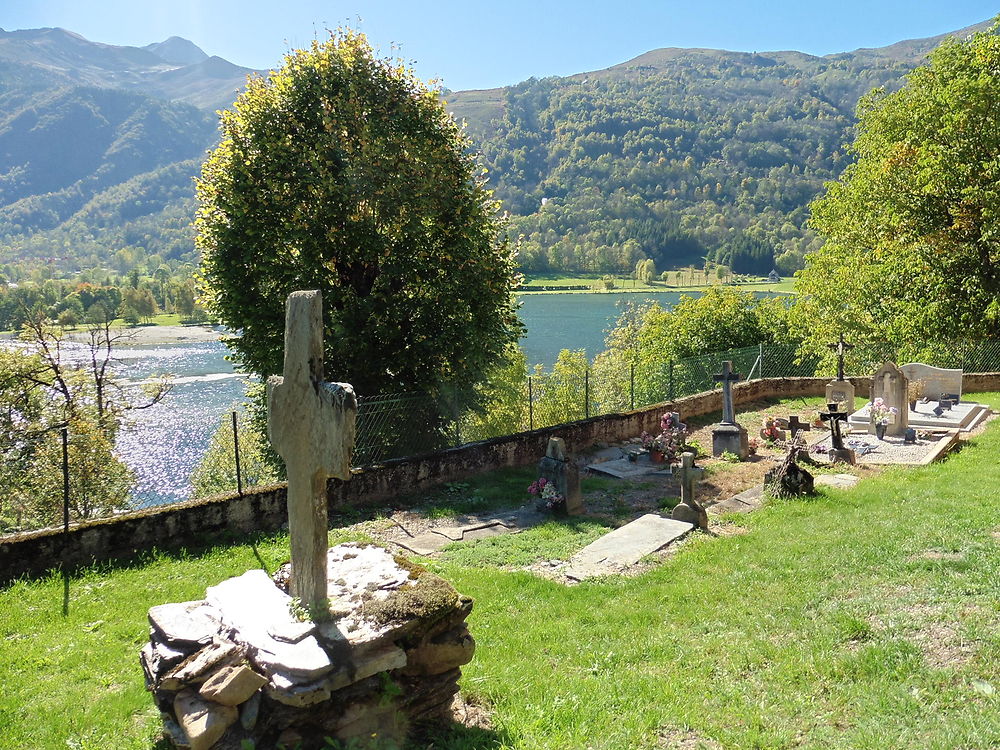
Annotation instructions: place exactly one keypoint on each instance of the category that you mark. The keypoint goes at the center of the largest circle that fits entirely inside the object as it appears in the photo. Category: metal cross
(311, 425)
(841, 347)
(834, 418)
(794, 425)
(727, 377)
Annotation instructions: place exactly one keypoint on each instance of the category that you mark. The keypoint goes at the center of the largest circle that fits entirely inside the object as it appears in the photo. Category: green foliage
(500, 401)
(561, 392)
(911, 255)
(341, 172)
(216, 472)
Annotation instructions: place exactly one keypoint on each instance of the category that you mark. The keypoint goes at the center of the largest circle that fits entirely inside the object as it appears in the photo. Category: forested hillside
(680, 156)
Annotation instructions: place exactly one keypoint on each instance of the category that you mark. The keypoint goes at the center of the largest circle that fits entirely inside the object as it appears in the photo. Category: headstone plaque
(564, 474)
(841, 391)
(889, 383)
(311, 425)
(728, 436)
(939, 382)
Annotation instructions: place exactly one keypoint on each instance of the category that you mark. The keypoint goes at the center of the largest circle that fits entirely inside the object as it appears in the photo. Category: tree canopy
(912, 227)
(342, 172)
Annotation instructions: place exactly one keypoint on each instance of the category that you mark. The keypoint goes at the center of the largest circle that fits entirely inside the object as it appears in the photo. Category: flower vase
(880, 430)
(656, 456)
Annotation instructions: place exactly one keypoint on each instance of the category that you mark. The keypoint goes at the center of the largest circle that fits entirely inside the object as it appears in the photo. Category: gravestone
(689, 509)
(835, 417)
(728, 436)
(939, 382)
(794, 425)
(841, 391)
(311, 425)
(563, 473)
(889, 383)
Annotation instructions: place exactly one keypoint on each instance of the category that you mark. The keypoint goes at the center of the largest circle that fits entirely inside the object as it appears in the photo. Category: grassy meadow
(862, 618)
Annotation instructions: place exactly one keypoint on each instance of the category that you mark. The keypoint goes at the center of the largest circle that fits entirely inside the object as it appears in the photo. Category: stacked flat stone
(240, 665)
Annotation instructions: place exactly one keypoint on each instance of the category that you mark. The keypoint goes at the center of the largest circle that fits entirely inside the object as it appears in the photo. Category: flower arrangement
(770, 431)
(547, 493)
(670, 441)
(882, 413)
(752, 446)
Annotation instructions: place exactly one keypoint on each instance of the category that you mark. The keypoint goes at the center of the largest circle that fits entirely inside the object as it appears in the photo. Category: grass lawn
(787, 285)
(863, 618)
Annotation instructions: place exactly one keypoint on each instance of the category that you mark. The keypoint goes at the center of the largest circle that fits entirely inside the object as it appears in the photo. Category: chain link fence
(98, 484)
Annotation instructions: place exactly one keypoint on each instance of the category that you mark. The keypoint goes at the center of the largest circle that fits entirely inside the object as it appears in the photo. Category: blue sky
(480, 45)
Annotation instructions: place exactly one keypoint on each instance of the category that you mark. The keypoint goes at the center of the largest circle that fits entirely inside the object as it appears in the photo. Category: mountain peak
(177, 50)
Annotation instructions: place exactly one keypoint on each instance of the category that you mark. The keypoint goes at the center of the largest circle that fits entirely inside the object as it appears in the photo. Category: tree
(342, 172)
(911, 256)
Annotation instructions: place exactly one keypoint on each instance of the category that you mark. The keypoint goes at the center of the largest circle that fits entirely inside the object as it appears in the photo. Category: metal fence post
(670, 393)
(760, 357)
(631, 386)
(531, 405)
(236, 454)
(65, 471)
(586, 394)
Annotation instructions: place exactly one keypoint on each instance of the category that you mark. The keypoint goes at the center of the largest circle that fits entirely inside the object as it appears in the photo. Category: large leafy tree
(342, 172)
(912, 228)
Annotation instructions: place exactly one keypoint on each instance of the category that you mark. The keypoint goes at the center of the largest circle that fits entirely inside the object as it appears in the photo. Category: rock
(203, 722)
(697, 517)
(230, 686)
(195, 668)
(442, 653)
(185, 622)
(249, 712)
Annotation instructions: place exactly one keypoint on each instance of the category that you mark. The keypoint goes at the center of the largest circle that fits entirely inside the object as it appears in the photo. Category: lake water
(164, 443)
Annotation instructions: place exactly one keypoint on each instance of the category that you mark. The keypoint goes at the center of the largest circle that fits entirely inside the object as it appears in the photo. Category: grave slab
(840, 481)
(625, 546)
(893, 450)
(964, 416)
(424, 544)
(744, 502)
(625, 469)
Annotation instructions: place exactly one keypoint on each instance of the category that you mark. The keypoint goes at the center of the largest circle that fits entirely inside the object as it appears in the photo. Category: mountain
(173, 70)
(679, 155)
(177, 50)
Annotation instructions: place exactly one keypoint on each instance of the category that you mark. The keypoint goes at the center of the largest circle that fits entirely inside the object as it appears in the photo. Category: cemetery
(419, 622)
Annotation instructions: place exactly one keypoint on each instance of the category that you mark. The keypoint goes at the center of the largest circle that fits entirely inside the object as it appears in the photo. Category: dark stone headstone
(564, 475)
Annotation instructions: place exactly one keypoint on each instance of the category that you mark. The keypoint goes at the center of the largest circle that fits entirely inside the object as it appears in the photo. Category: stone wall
(263, 509)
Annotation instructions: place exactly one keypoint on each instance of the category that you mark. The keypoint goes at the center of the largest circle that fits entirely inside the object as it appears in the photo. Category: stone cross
(311, 425)
(794, 425)
(727, 377)
(841, 347)
(688, 509)
(835, 417)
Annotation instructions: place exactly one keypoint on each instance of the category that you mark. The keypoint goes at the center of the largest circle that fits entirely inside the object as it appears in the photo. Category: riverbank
(586, 285)
(157, 334)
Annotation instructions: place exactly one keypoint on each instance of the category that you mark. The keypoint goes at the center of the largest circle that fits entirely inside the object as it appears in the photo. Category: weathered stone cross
(841, 347)
(311, 424)
(688, 474)
(794, 425)
(688, 509)
(727, 377)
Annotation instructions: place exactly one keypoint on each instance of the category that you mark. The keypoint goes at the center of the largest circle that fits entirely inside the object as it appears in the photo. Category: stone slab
(184, 622)
(744, 502)
(840, 481)
(892, 450)
(938, 381)
(622, 468)
(625, 546)
(964, 416)
(485, 532)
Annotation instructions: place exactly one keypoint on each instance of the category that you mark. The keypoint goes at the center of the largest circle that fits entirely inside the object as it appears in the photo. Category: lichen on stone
(428, 597)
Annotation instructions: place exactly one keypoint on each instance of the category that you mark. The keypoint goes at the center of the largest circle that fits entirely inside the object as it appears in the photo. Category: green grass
(787, 285)
(867, 618)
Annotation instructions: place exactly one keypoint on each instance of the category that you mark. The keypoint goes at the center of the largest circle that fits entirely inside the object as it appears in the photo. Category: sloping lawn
(867, 618)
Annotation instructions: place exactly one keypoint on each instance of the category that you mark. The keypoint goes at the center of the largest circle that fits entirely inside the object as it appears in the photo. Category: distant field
(593, 284)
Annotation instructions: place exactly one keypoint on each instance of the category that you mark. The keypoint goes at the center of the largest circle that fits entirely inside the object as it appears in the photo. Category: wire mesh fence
(45, 484)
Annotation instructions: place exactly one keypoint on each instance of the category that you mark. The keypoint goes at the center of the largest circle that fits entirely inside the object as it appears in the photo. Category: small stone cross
(311, 425)
(794, 425)
(688, 474)
(727, 377)
(835, 417)
(841, 347)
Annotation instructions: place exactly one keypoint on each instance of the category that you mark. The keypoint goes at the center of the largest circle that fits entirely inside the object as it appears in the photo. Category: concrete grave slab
(964, 416)
(625, 546)
(744, 502)
(624, 469)
(424, 544)
(840, 481)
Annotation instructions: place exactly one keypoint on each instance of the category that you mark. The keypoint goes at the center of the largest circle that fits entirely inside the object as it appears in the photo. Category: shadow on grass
(457, 736)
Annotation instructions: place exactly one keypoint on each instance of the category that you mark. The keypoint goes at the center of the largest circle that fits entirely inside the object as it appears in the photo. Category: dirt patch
(684, 739)
(470, 713)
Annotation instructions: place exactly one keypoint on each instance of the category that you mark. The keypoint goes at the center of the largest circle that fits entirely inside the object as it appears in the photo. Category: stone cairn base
(242, 664)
